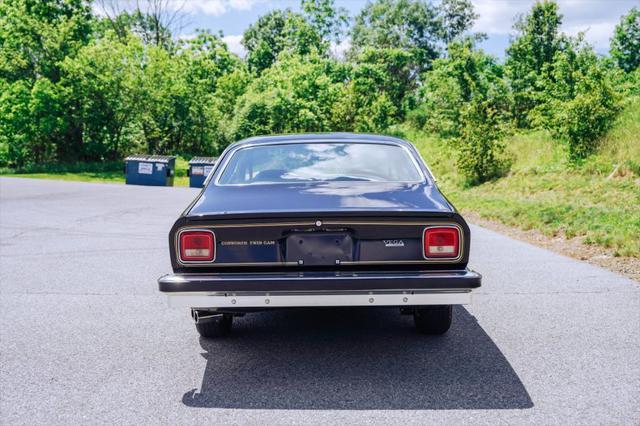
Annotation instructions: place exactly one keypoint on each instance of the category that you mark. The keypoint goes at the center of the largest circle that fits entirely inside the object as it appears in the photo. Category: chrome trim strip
(273, 300)
(389, 262)
(435, 273)
(257, 264)
(329, 222)
(211, 228)
(320, 292)
(383, 223)
(255, 225)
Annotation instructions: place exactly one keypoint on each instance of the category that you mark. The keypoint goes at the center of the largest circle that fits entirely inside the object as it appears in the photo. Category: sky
(597, 18)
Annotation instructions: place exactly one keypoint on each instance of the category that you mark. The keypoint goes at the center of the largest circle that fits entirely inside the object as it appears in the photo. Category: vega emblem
(393, 243)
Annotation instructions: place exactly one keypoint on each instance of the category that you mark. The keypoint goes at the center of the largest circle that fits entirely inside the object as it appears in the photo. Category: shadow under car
(356, 359)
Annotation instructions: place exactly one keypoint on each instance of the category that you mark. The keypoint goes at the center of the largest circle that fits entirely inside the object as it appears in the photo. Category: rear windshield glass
(308, 162)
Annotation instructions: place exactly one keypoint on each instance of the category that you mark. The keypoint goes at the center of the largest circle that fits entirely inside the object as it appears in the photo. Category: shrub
(296, 94)
(580, 102)
(480, 145)
(466, 75)
(537, 39)
(581, 121)
(466, 100)
(625, 43)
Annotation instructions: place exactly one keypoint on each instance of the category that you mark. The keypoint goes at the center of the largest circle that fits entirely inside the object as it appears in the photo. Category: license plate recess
(319, 248)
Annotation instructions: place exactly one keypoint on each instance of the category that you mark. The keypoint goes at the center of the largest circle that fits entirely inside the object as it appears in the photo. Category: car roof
(322, 137)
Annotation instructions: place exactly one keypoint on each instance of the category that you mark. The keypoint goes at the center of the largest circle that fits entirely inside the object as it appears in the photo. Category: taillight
(197, 246)
(441, 242)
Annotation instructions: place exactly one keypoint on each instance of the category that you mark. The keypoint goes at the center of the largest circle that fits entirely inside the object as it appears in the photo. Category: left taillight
(197, 246)
(441, 242)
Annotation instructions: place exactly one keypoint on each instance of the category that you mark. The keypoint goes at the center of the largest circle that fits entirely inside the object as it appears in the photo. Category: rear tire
(218, 326)
(433, 319)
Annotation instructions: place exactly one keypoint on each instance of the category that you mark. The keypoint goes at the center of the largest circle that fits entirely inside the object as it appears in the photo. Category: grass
(100, 177)
(598, 200)
(93, 172)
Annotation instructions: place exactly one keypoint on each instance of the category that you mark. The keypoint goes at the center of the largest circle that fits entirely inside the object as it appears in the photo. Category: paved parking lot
(85, 336)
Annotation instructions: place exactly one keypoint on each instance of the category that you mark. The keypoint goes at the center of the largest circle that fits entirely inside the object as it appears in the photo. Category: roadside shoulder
(572, 247)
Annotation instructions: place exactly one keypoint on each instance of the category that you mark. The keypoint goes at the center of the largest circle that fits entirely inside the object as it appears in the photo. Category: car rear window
(308, 162)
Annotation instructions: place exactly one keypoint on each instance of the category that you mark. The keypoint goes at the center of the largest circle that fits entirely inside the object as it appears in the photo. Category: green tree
(465, 74)
(33, 128)
(362, 111)
(103, 84)
(280, 31)
(416, 26)
(214, 79)
(480, 147)
(149, 28)
(625, 44)
(382, 80)
(16, 132)
(580, 103)
(537, 42)
(456, 17)
(411, 25)
(328, 20)
(313, 93)
(230, 87)
(179, 112)
(466, 100)
(296, 94)
(35, 36)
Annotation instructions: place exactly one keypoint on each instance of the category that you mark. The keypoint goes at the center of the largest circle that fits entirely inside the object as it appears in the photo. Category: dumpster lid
(203, 160)
(153, 158)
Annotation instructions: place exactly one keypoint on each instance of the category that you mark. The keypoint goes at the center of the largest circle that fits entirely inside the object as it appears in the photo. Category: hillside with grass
(597, 199)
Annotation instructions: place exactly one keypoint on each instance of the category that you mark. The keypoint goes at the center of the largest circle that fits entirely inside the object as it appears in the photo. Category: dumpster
(155, 170)
(199, 169)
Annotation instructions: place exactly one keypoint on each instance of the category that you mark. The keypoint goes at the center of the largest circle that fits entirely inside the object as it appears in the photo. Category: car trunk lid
(319, 197)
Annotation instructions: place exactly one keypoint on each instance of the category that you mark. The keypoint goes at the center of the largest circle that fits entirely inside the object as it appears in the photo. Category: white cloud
(243, 4)
(213, 7)
(595, 17)
(207, 7)
(338, 50)
(234, 43)
(187, 37)
(98, 9)
(497, 17)
(598, 34)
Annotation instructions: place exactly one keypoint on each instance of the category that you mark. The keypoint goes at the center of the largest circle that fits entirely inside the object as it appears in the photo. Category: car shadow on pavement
(356, 359)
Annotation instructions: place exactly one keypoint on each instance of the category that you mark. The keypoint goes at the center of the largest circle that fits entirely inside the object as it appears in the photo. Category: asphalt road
(85, 336)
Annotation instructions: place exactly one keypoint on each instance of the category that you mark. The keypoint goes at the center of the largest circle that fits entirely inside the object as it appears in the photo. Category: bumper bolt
(266, 301)
(371, 300)
(405, 300)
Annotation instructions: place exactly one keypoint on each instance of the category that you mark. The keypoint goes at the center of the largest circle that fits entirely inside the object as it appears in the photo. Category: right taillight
(441, 242)
(197, 246)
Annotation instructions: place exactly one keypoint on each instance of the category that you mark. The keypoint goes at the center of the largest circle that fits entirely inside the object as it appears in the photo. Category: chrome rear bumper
(317, 299)
(261, 290)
